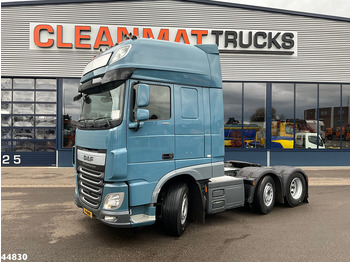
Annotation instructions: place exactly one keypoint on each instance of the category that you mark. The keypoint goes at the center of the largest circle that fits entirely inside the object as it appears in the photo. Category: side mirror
(141, 115)
(143, 95)
(77, 97)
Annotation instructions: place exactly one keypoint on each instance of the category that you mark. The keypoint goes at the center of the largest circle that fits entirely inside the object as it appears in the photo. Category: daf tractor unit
(150, 141)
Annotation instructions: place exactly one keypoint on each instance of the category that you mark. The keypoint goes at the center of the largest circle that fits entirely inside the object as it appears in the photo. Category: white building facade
(282, 72)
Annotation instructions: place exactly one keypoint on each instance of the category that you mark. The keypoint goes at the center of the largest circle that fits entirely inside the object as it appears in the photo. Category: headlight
(113, 201)
(121, 52)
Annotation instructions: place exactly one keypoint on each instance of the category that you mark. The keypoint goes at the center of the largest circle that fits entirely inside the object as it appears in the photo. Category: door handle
(167, 156)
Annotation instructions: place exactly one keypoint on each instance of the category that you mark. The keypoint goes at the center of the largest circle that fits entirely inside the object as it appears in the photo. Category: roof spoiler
(209, 49)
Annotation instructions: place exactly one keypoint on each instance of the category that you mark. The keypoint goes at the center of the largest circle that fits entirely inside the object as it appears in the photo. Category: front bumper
(123, 217)
(136, 217)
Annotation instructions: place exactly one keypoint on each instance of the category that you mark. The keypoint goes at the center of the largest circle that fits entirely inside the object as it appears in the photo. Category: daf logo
(88, 158)
(91, 157)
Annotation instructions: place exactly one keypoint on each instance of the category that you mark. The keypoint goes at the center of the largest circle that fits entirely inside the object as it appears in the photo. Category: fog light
(113, 201)
(111, 219)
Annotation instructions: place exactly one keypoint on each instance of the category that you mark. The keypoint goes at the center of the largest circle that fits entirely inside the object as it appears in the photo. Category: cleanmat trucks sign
(95, 37)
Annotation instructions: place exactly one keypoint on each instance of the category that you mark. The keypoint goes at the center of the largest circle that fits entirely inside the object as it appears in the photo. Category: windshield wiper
(83, 122)
(107, 118)
(94, 122)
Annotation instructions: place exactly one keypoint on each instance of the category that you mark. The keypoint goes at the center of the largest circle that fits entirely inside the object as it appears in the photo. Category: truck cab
(148, 114)
(314, 124)
(308, 140)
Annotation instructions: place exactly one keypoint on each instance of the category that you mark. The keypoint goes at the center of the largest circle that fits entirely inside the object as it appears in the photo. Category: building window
(282, 126)
(305, 109)
(329, 120)
(25, 105)
(346, 117)
(70, 111)
(245, 126)
(232, 93)
(296, 109)
(254, 121)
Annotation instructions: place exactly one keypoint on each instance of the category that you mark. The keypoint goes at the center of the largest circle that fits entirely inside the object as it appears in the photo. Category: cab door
(192, 127)
(150, 148)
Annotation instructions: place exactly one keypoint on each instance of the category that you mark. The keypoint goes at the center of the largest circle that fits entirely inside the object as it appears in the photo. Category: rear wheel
(296, 189)
(175, 209)
(265, 195)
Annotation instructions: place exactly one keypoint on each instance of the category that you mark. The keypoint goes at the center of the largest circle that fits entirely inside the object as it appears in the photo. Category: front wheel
(296, 189)
(175, 209)
(265, 195)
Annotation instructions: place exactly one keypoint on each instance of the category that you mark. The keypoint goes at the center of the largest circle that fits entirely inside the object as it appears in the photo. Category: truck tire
(265, 195)
(295, 190)
(175, 209)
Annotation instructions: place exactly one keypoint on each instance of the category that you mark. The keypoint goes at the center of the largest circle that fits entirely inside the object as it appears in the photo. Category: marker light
(98, 62)
(120, 53)
(113, 201)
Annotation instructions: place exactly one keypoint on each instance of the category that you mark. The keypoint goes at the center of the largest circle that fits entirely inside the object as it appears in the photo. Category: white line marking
(34, 186)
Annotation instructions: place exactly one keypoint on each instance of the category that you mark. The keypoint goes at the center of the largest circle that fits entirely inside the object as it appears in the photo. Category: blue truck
(150, 141)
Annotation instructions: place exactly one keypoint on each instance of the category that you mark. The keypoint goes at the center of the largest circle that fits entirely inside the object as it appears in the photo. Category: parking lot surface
(40, 219)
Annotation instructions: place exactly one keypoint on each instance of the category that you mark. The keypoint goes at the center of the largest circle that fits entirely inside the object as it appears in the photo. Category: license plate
(88, 213)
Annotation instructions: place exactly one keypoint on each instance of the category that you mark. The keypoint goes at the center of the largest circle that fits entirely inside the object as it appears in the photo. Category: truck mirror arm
(136, 125)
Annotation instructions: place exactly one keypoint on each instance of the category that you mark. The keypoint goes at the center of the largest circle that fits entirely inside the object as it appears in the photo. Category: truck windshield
(103, 108)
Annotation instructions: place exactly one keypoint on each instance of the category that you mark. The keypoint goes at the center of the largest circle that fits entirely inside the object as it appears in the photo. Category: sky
(327, 7)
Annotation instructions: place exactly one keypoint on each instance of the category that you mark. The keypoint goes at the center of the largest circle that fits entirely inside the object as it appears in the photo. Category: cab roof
(163, 61)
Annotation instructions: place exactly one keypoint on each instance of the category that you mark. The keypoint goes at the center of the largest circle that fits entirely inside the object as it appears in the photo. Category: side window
(70, 111)
(313, 140)
(159, 103)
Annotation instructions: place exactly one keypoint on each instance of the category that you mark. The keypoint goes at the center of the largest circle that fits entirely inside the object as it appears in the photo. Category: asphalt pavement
(39, 219)
(64, 176)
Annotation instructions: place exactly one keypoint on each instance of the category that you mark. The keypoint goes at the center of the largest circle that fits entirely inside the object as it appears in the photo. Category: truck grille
(90, 186)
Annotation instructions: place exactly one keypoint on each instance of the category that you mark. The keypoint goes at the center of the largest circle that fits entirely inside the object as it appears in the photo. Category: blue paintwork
(282, 138)
(84, 138)
(164, 61)
(31, 159)
(217, 124)
(149, 172)
(189, 123)
(118, 160)
(276, 145)
(143, 95)
(146, 147)
(192, 163)
(142, 114)
(304, 158)
(194, 133)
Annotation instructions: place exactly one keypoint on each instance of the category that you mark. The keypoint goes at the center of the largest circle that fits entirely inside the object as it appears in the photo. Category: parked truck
(309, 141)
(150, 141)
(314, 124)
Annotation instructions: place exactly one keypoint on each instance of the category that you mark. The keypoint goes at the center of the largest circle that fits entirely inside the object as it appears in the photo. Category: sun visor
(120, 74)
